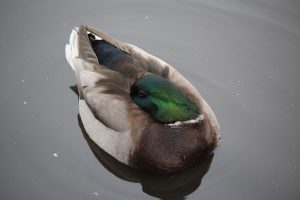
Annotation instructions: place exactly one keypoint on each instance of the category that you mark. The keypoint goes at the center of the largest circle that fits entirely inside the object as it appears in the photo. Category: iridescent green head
(163, 100)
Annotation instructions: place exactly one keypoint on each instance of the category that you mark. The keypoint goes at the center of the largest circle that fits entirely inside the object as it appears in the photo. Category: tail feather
(71, 49)
(79, 47)
(68, 52)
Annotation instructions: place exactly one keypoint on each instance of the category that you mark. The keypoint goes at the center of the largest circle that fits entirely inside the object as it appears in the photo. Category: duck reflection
(172, 186)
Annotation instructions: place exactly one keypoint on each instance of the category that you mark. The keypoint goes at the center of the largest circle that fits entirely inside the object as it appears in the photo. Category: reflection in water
(174, 186)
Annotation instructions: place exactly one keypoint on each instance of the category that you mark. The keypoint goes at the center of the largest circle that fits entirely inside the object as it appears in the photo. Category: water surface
(243, 56)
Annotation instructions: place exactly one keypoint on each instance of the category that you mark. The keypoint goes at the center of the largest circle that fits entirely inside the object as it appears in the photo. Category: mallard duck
(136, 107)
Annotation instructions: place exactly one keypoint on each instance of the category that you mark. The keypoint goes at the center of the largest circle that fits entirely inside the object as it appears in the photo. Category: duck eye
(141, 94)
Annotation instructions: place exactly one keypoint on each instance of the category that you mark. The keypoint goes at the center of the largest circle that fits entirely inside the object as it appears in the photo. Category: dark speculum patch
(108, 54)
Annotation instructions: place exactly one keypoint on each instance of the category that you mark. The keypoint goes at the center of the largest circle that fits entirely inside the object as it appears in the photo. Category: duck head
(163, 100)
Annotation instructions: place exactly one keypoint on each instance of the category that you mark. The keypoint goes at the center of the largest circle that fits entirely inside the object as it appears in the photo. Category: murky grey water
(243, 56)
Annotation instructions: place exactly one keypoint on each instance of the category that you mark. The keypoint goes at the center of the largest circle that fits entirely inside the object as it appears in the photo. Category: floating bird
(136, 107)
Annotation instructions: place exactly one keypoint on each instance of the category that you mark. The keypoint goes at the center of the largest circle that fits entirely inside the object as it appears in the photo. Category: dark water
(243, 56)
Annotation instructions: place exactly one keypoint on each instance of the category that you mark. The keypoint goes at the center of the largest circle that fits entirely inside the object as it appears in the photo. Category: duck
(136, 107)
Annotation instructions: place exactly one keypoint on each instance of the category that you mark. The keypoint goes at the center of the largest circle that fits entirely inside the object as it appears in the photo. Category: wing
(104, 115)
(107, 96)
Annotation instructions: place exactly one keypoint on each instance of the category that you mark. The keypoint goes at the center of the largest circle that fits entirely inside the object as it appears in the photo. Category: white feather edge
(68, 56)
(191, 121)
(71, 49)
(117, 144)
